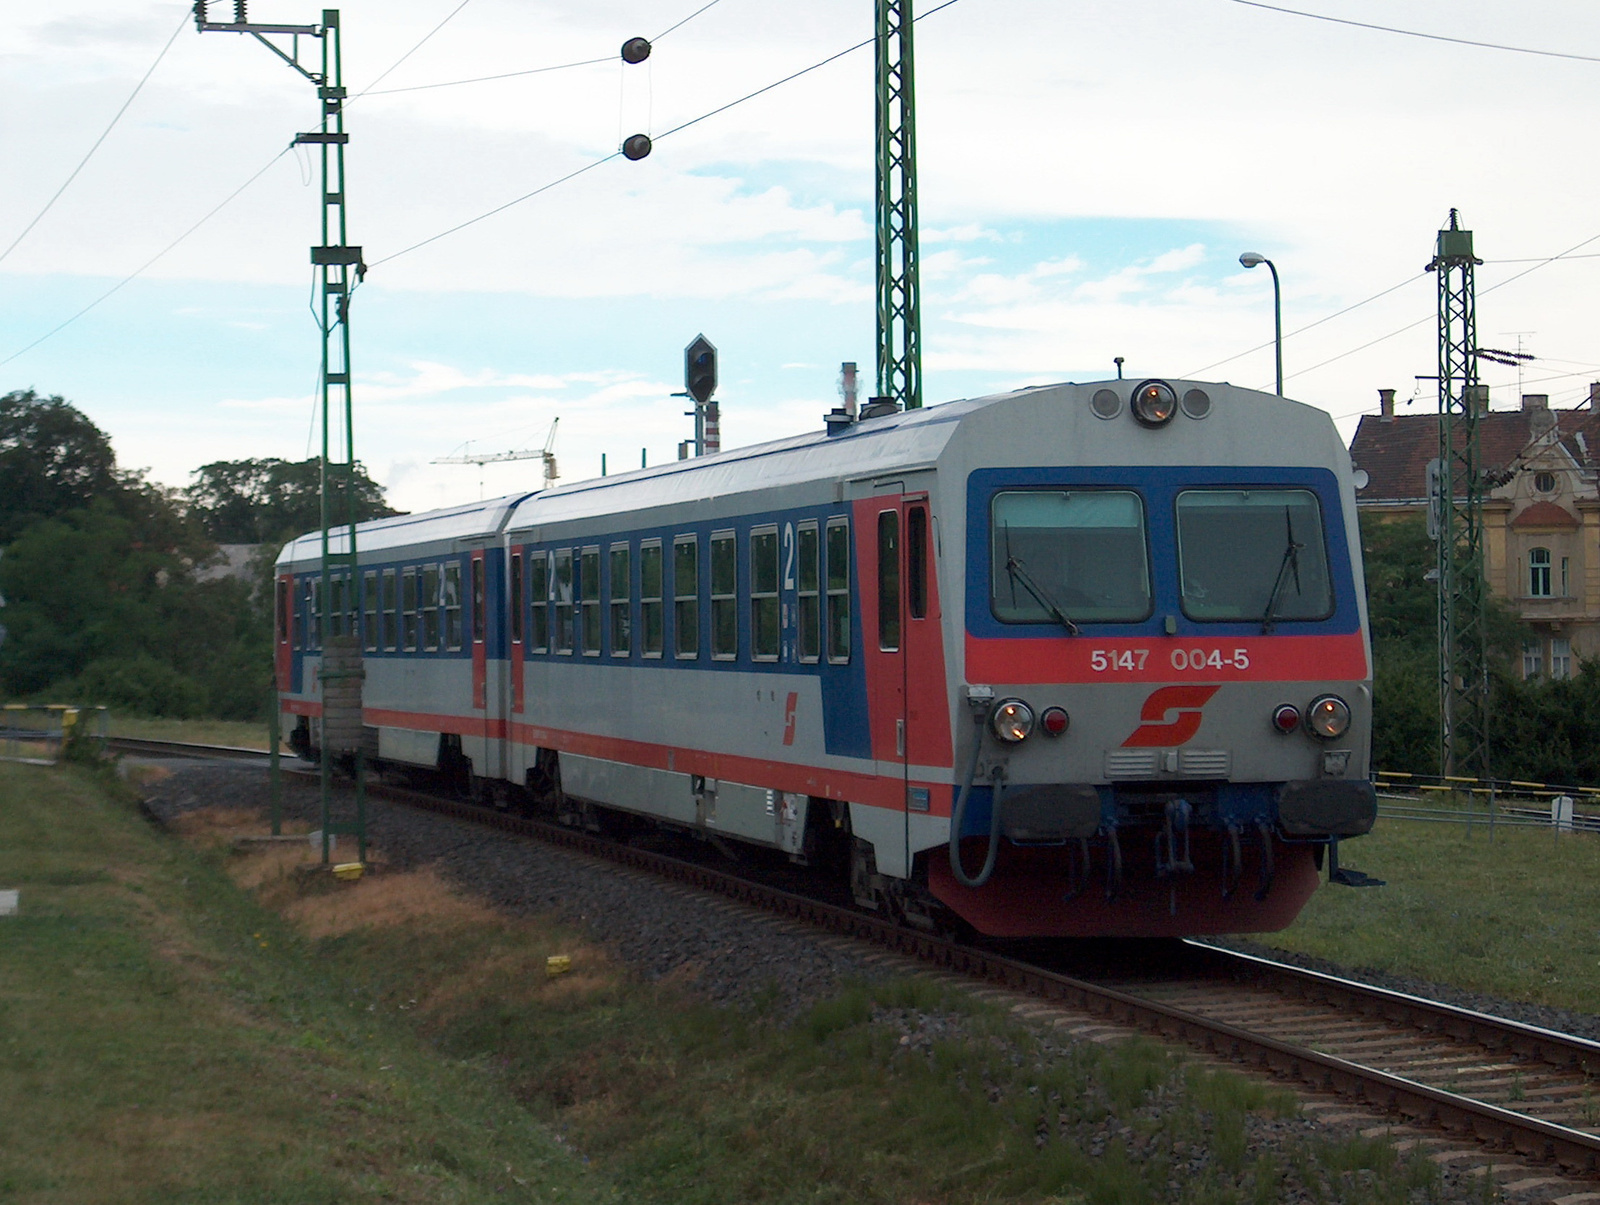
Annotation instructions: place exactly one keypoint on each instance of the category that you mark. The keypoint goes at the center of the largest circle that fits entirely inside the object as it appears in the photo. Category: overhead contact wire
(617, 154)
(413, 50)
(142, 268)
(1414, 33)
(137, 88)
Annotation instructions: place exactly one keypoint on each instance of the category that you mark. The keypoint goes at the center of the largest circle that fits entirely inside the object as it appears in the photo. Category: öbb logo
(1170, 716)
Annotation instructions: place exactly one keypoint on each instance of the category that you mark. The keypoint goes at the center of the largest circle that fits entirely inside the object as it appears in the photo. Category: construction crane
(546, 454)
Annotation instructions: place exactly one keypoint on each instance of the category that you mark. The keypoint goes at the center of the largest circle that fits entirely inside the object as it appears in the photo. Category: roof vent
(837, 420)
(879, 406)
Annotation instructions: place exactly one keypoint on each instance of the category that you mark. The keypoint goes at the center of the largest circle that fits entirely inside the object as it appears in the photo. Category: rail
(38, 734)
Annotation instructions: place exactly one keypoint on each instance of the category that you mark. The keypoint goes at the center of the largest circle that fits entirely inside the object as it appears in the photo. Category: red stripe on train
(1079, 659)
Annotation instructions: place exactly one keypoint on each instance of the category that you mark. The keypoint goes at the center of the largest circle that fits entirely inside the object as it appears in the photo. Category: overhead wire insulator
(636, 50)
(636, 146)
(239, 15)
(200, 14)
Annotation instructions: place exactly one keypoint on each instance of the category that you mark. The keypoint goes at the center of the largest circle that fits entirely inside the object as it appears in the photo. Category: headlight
(1012, 720)
(1328, 717)
(1286, 718)
(1154, 403)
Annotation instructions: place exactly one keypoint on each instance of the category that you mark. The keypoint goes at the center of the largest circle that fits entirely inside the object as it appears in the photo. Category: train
(1077, 660)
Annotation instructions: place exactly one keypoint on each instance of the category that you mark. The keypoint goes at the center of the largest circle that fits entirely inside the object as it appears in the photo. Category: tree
(270, 500)
(52, 460)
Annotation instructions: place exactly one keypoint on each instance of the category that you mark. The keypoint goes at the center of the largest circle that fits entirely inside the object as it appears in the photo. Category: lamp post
(1249, 260)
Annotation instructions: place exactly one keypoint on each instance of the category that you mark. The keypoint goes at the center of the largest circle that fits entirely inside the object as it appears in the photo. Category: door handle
(899, 738)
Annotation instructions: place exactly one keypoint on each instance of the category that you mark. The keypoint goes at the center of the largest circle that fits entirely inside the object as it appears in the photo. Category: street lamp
(1249, 260)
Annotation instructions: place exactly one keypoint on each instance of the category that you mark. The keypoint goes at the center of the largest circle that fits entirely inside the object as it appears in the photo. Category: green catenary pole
(899, 301)
(1457, 497)
(337, 262)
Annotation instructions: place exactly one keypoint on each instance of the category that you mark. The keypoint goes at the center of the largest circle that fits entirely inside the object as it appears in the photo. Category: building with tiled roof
(1541, 516)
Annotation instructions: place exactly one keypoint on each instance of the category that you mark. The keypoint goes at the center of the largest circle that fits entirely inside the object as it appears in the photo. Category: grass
(165, 1039)
(180, 1022)
(1517, 917)
(232, 733)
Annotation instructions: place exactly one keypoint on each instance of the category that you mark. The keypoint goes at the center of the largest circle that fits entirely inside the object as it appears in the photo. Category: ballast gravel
(732, 957)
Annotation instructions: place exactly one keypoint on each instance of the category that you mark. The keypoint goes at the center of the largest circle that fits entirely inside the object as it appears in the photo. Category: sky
(1089, 172)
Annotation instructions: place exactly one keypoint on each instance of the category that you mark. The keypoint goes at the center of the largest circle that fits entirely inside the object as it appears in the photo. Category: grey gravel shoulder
(723, 952)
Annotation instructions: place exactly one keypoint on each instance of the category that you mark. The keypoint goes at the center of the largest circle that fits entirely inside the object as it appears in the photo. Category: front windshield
(1082, 551)
(1252, 555)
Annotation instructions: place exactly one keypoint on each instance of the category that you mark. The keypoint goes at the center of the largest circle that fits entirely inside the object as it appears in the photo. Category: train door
(284, 647)
(910, 689)
(491, 766)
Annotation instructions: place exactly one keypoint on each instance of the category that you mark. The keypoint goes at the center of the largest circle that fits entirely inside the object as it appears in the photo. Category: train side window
(621, 601)
(589, 600)
(430, 608)
(314, 607)
(283, 595)
(480, 599)
(539, 597)
(563, 600)
(651, 617)
(391, 611)
(889, 580)
(809, 584)
(724, 596)
(369, 608)
(838, 578)
(917, 562)
(516, 598)
(764, 632)
(336, 586)
(686, 596)
(352, 606)
(450, 600)
(408, 605)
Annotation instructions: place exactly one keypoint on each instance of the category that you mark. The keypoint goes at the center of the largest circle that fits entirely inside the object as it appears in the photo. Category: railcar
(1076, 660)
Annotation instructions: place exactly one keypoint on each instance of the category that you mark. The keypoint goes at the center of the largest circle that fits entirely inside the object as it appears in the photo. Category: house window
(1544, 483)
(764, 634)
(1532, 658)
(621, 602)
(838, 578)
(1560, 657)
(724, 588)
(563, 599)
(1566, 564)
(1539, 572)
(589, 600)
(810, 593)
(686, 596)
(652, 618)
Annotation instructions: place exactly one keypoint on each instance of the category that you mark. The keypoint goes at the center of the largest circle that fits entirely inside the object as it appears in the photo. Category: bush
(141, 685)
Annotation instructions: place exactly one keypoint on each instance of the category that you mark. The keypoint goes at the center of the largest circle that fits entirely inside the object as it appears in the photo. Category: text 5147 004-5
(1181, 659)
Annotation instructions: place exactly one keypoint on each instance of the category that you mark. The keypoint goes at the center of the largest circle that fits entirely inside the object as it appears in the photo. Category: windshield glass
(1252, 555)
(1084, 552)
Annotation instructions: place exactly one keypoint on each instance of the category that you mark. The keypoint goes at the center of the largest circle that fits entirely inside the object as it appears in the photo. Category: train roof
(866, 448)
(473, 520)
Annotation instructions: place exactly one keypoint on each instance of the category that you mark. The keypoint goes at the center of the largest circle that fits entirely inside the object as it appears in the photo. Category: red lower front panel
(1027, 895)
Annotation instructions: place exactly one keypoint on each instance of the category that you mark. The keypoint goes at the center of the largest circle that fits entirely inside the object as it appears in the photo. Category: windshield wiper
(1019, 573)
(1289, 564)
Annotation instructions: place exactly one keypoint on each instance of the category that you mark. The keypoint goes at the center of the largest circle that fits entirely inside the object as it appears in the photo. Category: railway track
(1512, 1087)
